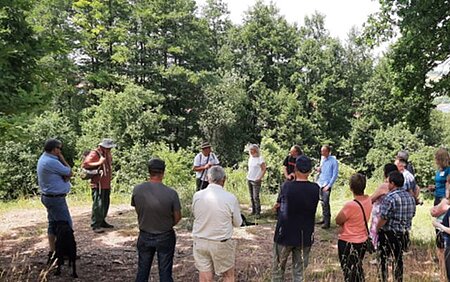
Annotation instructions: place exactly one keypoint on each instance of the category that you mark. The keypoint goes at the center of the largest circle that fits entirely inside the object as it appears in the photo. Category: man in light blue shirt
(328, 173)
(53, 177)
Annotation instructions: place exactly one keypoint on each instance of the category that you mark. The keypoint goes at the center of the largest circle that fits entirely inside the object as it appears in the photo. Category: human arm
(381, 223)
(341, 218)
(447, 187)
(439, 209)
(60, 167)
(236, 216)
(176, 217)
(335, 170)
(263, 170)
(380, 191)
(198, 167)
(385, 212)
(94, 159)
(285, 172)
(176, 209)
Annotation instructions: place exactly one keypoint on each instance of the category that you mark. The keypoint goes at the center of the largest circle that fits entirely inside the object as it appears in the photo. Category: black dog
(65, 246)
(245, 222)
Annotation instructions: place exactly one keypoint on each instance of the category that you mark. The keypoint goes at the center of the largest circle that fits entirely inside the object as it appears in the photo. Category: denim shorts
(57, 210)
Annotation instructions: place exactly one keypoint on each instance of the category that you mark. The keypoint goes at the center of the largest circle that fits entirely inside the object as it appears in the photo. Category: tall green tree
(20, 49)
(423, 41)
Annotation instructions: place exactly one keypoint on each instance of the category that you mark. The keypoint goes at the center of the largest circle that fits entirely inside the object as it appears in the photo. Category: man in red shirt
(100, 159)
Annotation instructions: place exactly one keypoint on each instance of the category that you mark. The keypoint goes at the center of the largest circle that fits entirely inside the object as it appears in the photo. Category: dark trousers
(326, 210)
(392, 244)
(100, 206)
(254, 187)
(201, 184)
(164, 245)
(351, 257)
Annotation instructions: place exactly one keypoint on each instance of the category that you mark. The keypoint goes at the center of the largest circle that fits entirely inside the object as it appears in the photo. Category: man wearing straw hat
(202, 162)
(100, 159)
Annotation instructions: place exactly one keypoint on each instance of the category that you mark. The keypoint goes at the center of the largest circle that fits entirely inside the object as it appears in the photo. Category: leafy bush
(389, 141)
(18, 159)
(130, 116)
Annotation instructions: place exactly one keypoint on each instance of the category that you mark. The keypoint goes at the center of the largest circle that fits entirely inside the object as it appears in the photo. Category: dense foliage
(160, 76)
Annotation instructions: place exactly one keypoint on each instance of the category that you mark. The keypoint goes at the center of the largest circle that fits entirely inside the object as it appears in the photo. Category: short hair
(298, 149)
(255, 147)
(358, 183)
(156, 167)
(328, 147)
(388, 168)
(397, 178)
(442, 157)
(51, 144)
(216, 174)
(402, 161)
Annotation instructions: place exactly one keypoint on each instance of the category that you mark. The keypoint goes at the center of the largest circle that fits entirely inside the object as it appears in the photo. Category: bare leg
(440, 255)
(228, 276)
(206, 276)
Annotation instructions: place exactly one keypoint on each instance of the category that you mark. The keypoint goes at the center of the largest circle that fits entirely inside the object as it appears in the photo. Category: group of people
(216, 212)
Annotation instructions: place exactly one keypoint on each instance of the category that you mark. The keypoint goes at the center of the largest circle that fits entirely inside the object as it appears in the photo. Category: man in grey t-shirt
(158, 209)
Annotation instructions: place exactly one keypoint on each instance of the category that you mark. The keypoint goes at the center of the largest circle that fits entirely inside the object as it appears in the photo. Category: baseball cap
(303, 164)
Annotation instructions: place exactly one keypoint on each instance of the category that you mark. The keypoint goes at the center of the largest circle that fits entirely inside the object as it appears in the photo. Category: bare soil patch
(112, 256)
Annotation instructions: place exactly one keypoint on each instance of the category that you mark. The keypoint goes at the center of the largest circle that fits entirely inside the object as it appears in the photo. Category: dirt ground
(112, 256)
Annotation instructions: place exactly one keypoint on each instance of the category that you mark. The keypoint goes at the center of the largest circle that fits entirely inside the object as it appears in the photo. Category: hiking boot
(98, 229)
(106, 225)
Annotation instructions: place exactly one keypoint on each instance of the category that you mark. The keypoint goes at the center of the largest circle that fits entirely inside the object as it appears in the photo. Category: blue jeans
(164, 245)
(57, 210)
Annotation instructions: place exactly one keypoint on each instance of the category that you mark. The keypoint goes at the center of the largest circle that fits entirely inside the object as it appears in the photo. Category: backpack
(88, 174)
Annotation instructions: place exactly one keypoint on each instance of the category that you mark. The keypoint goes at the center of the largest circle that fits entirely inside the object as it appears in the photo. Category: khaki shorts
(214, 256)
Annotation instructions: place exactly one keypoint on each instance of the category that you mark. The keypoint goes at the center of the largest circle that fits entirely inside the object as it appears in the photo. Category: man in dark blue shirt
(53, 177)
(296, 204)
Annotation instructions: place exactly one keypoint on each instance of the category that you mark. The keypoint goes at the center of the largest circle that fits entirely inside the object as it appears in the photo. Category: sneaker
(106, 225)
(326, 226)
(98, 229)
(320, 222)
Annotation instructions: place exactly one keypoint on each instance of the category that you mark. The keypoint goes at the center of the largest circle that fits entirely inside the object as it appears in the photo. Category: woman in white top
(256, 171)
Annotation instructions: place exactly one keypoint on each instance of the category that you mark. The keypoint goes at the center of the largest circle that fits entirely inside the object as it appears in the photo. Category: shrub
(18, 159)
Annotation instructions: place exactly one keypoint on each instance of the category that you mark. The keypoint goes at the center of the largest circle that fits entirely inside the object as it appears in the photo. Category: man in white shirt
(215, 212)
(202, 162)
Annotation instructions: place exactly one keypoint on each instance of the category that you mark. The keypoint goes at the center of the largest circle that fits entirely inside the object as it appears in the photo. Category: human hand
(102, 159)
(276, 207)
(318, 169)
(326, 188)
(437, 224)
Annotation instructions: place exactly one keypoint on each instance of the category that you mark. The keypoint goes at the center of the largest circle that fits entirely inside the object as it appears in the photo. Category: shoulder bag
(368, 243)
